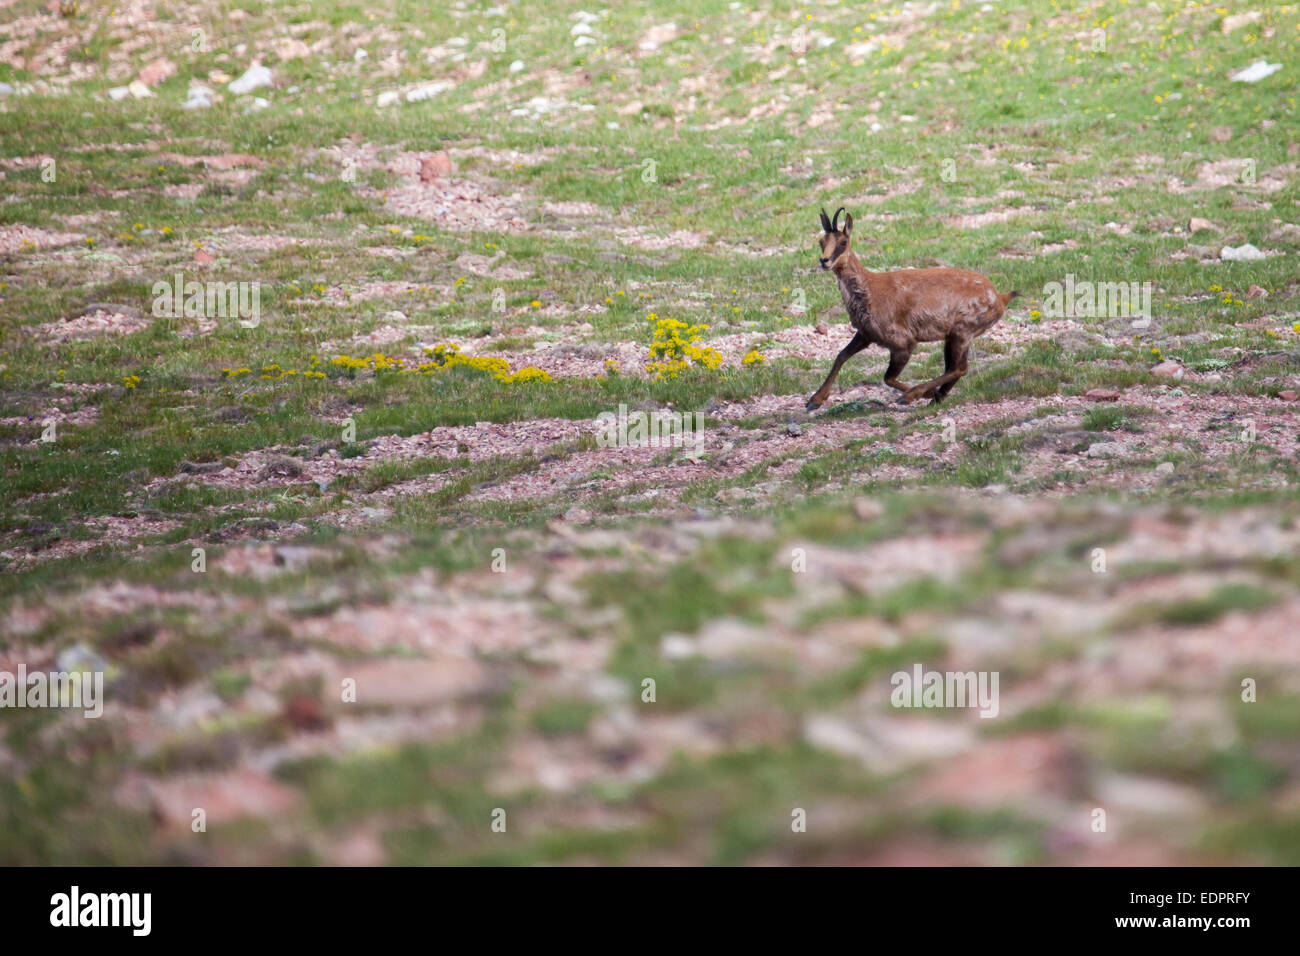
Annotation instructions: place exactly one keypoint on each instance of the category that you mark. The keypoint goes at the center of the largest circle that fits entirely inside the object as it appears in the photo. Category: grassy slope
(748, 141)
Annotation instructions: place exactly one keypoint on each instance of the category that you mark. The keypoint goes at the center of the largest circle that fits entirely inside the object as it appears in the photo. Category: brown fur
(896, 310)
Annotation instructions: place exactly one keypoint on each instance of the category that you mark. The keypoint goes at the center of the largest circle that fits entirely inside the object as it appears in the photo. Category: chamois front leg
(856, 345)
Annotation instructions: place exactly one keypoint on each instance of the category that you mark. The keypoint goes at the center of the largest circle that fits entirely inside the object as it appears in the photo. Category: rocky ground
(367, 584)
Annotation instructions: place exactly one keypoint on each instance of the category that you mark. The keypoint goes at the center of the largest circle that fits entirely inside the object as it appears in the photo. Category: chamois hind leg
(856, 345)
(955, 357)
(897, 359)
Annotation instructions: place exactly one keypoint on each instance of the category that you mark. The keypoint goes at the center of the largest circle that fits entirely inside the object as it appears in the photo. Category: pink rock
(821, 329)
(437, 166)
(1102, 395)
(202, 255)
(1256, 292)
(1196, 225)
(1289, 395)
(394, 682)
(1168, 369)
(222, 797)
(157, 71)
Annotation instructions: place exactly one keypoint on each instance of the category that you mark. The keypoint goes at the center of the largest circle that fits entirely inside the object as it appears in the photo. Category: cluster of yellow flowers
(131, 381)
(441, 357)
(449, 356)
(753, 357)
(674, 348)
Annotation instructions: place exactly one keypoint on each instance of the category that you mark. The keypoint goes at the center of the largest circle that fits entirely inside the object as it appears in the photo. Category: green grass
(1089, 163)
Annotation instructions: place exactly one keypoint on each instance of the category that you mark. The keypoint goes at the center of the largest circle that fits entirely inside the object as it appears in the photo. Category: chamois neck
(847, 265)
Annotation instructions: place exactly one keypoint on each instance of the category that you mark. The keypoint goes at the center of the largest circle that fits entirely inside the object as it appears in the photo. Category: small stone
(1246, 253)
(1168, 369)
(793, 430)
(1196, 225)
(254, 78)
(157, 71)
(435, 167)
(1106, 449)
(287, 48)
(1101, 395)
(119, 93)
(139, 91)
(1221, 134)
(1237, 20)
(1288, 395)
(821, 329)
(79, 657)
(428, 91)
(203, 257)
(517, 66)
(867, 509)
(1165, 468)
(1259, 70)
(388, 98)
(1256, 292)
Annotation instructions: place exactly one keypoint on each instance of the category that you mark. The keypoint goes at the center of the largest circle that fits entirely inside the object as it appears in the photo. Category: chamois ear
(848, 223)
(826, 223)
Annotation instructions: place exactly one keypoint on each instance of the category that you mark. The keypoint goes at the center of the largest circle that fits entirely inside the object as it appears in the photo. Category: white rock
(254, 78)
(677, 647)
(139, 91)
(388, 98)
(1246, 253)
(197, 97)
(517, 66)
(6, 89)
(428, 91)
(584, 41)
(1255, 72)
(1106, 449)
(359, 55)
(119, 93)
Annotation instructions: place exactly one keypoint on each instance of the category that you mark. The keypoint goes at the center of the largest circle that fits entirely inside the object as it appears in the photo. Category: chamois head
(835, 239)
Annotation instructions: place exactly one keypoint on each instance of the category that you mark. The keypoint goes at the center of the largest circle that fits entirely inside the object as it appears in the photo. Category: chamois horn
(835, 219)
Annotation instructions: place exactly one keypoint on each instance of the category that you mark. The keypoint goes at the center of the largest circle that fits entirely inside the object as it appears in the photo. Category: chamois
(898, 309)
